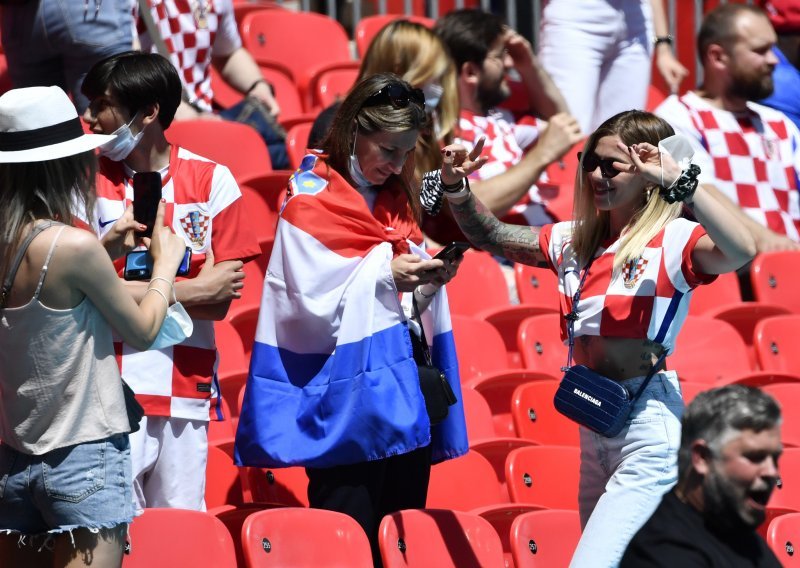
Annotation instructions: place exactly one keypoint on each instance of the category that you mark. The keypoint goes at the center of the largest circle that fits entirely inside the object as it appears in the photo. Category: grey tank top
(59, 380)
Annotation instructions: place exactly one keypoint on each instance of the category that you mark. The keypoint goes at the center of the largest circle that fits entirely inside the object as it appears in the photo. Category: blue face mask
(354, 168)
(120, 147)
(176, 328)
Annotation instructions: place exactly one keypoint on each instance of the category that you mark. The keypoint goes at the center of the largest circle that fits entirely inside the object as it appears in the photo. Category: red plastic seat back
(541, 346)
(545, 539)
(536, 418)
(774, 276)
(445, 539)
(479, 285)
(479, 347)
(537, 286)
(775, 342)
(464, 483)
(783, 537)
(544, 475)
(707, 350)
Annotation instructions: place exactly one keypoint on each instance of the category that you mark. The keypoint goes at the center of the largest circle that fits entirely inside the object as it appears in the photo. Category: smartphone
(146, 195)
(452, 251)
(139, 265)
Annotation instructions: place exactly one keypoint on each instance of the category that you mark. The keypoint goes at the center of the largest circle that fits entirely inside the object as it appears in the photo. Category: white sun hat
(41, 123)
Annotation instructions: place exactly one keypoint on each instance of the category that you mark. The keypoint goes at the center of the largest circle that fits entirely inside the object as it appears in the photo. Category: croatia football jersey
(753, 157)
(194, 31)
(506, 142)
(647, 298)
(204, 206)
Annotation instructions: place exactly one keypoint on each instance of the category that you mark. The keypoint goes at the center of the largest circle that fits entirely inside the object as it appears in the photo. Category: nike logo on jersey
(104, 223)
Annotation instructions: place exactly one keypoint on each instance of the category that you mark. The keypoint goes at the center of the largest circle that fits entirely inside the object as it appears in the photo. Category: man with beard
(484, 50)
(727, 469)
(749, 154)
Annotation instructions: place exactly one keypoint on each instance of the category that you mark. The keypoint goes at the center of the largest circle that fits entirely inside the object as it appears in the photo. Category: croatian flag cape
(332, 379)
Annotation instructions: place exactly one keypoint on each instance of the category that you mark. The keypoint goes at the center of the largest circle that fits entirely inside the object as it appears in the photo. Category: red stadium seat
(537, 287)
(260, 219)
(774, 342)
(479, 347)
(332, 83)
(304, 538)
(783, 537)
(271, 187)
(233, 517)
(544, 475)
(541, 346)
(536, 418)
(231, 384)
(689, 390)
(283, 36)
(545, 539)
(464, 483)
(297, 143)
(245, 322)
(235, 145)
(760, 379)
(479, 285)
(252, 291)
(708, 350)
(774, 276)
(721, 292)
(445, 539)
(496, 451)
(477, 413)
(788, 397)
(744, 316)
(286, 486)
(497, 389)
(223, 480)
(501, 517)
(180, 539)
(787, 493)
(232, 358)
(506, 320)
(369, 26)
(284, 90)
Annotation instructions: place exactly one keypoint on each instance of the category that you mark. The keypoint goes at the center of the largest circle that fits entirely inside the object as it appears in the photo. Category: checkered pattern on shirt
(754, 159)
(180, 381)
(506, 142)
(191, 47)
(629, 303)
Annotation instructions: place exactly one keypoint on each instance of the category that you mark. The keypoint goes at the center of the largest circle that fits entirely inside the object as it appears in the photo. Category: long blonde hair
(417, 55)
(593, 226)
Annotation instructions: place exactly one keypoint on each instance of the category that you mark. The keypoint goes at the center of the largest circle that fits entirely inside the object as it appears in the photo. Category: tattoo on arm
(517, 243)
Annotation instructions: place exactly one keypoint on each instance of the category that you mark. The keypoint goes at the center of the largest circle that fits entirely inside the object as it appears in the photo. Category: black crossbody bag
(589, 398)
(438, 393)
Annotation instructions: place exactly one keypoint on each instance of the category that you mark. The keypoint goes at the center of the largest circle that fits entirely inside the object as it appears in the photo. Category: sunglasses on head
(397, 95)
(590, 162)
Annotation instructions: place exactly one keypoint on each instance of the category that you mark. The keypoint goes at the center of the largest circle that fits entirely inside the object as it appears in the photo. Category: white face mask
(120, 147)
(354, 168)
(177, 326)
(433, 94)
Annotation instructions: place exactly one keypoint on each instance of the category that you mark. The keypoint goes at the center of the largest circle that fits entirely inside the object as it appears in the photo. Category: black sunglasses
(397, 95)
(591, 161)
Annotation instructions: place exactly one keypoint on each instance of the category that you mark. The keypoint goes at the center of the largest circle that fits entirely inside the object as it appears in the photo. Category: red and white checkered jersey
(204, 206)
(191, 44)
(506, 142)
(753, 157)
(648, 298)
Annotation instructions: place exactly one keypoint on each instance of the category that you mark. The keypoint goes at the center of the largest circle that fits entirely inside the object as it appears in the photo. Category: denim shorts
(83, 486)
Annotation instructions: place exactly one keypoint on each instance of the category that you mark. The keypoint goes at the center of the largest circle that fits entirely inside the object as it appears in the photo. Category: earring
(649, 193)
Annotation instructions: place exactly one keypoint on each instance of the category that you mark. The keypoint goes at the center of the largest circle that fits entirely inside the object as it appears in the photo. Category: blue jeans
(82, 486)
(623, 478)
(55, 42)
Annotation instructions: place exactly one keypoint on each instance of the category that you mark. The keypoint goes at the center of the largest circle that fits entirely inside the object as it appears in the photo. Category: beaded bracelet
(683, 187)
(160, 293)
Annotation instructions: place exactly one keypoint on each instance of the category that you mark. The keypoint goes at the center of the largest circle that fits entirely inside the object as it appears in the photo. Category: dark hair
(715, 413)
(137, 80)
(338, 143)
(719, 26)
(468, 34)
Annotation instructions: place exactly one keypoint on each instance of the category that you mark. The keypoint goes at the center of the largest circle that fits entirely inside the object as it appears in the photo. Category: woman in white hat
(65, 479)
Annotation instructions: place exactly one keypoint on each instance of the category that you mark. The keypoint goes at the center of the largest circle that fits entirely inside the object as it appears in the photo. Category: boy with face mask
(134, 95)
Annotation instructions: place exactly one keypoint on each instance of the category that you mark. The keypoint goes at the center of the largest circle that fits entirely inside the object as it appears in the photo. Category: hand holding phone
(139, 265)
(453, 251)
(146, 197)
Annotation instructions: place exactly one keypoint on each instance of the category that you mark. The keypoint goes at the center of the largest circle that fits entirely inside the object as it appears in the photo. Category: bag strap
(12, 273)
(572, 317)
(426, 350)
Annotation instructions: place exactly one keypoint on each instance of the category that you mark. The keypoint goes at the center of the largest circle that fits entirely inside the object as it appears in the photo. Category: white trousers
(169, 458)
(598, 53)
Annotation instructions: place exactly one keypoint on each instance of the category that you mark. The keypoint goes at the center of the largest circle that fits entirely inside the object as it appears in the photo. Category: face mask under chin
(120, 147)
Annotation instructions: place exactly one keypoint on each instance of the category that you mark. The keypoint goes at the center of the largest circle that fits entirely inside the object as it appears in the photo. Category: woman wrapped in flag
(333, 383)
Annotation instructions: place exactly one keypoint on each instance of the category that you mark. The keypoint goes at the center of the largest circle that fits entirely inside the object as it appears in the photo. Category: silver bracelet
(171, 286)
(160, 293)
(424, 295)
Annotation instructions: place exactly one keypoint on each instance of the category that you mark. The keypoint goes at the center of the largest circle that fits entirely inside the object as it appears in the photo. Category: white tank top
(59, 379)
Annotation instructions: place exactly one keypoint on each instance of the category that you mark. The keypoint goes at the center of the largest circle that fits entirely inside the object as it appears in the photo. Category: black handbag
(438, 393)
(589, 398)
